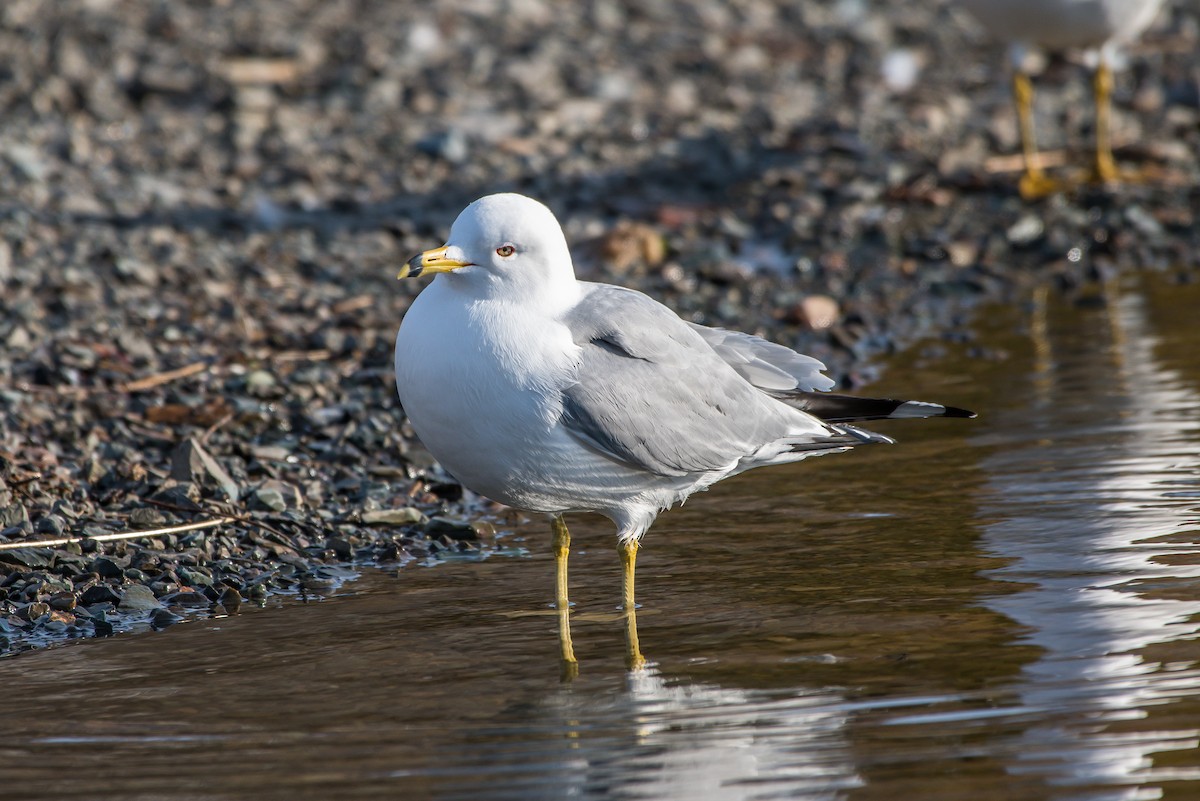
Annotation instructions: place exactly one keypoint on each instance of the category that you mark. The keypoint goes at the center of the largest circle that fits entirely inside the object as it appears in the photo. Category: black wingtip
(834, 408)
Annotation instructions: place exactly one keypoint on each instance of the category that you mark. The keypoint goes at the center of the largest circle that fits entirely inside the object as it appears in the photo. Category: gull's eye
(505, 251)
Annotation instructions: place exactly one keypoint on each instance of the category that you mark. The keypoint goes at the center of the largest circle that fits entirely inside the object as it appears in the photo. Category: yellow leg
(1105, 168)
(562, 549)
(633, 652)
(1034, 183)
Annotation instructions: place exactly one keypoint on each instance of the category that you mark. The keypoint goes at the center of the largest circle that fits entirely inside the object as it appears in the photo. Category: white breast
(465, 375)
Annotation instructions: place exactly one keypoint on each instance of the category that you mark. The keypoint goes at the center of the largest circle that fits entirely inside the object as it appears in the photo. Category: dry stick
(125, 535)
(149, 382)
(163, 378)
(1016, 162)
(318, 355)
(254, 521)
(208, 432)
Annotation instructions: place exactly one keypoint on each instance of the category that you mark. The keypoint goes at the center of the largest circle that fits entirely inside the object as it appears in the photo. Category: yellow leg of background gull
(1105, 168)
(562, 549)
(1034, 183)
(633, 651)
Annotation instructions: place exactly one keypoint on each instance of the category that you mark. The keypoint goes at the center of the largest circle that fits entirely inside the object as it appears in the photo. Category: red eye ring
(505, 251)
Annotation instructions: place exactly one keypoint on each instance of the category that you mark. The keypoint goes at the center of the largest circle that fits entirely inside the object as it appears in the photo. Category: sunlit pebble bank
(198, 243)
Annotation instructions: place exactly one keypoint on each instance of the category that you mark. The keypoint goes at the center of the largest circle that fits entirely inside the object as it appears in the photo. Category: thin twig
(208, 432)
(247, 519)
(318, 355)
(158, 379)
(125, 535)
(1016, 162)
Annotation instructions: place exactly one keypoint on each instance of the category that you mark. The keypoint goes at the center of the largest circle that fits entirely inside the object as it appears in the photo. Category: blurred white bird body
(1065, 24)
(1099, 28)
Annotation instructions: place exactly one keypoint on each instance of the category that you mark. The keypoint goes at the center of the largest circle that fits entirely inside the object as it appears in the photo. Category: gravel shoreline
(203, 207)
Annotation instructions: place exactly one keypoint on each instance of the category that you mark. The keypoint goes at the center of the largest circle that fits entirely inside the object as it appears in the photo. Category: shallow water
(1004, 608)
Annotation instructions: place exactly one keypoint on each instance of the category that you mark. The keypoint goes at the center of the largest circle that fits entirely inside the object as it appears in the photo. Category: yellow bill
(438, 260)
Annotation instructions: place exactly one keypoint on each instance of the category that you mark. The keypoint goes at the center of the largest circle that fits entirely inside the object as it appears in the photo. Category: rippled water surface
(1004, 608)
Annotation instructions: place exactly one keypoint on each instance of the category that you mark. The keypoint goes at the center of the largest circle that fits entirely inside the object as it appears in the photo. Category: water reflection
(1096, 512)
(663, 739)
(703, 741)
(1003, 611)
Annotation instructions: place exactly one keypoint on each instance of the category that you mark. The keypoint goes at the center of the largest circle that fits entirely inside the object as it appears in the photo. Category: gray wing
(653, 394)
(798, 380)
(772, 368)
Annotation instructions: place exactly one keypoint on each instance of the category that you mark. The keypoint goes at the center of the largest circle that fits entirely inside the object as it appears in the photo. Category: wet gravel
(203, 207)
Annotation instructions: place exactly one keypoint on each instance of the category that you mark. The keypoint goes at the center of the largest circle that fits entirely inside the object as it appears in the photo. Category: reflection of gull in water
(1080, 520)
(677, 741)
(701, 741)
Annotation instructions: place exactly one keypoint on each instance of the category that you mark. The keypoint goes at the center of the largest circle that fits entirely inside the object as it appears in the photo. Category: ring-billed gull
(555, 395)
(1098, 27)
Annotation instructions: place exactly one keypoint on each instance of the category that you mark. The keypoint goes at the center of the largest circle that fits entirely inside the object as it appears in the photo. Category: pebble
(1025, 230)
(403, 516)
(138, 598)
(819, 312)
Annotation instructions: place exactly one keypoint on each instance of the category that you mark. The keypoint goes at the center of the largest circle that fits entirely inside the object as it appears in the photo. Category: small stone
(99, 594)
(146, 517)
(13, 515)
(278, 495)
(962, 254)
(270, 498)
(35, 611)
(195, 578)
(133, 574)
(1025, 230)
(341, 547)
(819, 312)
(190, 462)
(187, 599)
(261, 384)
(454, 529)
(62, 601)
(630, 244)
(138, 598)
(182, 494)
(900, 69)
(404, 516)
(137, 270)
(162, 618)
(109, 567)
(64, 509)
(231, 599)
(1143, 220)
(28, 161)
(50, 524)
(161, 588)
(28, 557)
(317, 584)
(450, 145)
